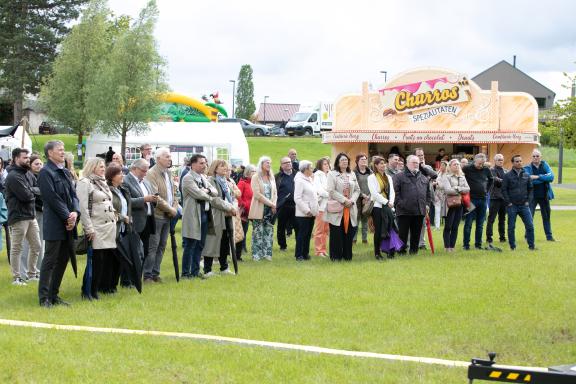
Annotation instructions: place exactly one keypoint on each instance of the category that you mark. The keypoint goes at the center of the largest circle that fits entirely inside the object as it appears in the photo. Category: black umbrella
(230, 232)
(72, 252)
(131, 253)
(175, 254)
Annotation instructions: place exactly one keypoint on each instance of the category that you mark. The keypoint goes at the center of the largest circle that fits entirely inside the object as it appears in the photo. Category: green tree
(30, 31)
(245, 106)
(564, 113)
(83, 51)
(124, 96)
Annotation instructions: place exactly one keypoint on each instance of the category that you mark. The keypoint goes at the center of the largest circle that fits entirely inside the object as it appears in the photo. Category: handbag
(334, 206)
(454, 201)
(367, 208)
(81, 245)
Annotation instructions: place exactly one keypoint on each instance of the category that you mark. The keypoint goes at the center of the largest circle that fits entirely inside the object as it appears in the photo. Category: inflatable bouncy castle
(181, 108)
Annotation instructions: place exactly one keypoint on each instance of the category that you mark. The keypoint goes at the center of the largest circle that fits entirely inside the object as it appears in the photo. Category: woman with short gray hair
(306, 209)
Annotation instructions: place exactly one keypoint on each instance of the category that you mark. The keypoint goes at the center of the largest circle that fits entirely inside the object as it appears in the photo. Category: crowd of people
(325, 203)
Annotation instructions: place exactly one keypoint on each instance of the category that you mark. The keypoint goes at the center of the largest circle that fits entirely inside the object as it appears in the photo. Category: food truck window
(467, 149)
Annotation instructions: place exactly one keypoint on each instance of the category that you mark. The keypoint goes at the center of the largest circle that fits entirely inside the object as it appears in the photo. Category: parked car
(249, 128)
(46, 129)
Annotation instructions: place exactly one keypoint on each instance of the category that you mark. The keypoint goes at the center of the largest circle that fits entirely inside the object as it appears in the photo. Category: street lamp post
(385, 73)
(233, 95)
(265, 98)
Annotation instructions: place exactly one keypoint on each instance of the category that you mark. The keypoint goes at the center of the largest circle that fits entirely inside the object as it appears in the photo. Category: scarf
(383, 184)
(224, 186)
(100, 183)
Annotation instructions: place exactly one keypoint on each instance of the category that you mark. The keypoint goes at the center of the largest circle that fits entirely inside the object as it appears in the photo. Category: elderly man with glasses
(497, 204)
(542, 178)
(143, 201)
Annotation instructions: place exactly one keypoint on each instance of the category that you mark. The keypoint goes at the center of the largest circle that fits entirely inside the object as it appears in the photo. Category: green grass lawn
(38, 141)
(452, 306)
(309, 148)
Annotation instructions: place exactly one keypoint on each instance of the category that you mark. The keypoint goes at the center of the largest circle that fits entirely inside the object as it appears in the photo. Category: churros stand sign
(427, 94)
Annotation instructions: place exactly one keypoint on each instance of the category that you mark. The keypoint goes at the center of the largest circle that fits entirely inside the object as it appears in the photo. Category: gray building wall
(511, 79)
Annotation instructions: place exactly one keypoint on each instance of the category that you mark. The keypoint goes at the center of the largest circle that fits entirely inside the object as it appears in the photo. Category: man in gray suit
(143, 201)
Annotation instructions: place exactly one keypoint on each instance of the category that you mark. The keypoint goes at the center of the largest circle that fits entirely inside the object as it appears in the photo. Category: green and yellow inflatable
(181, 108)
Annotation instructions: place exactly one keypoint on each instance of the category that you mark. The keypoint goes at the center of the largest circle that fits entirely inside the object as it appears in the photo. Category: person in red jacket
(245, 199)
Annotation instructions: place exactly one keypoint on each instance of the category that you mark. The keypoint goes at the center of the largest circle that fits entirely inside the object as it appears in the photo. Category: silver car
(249, 128)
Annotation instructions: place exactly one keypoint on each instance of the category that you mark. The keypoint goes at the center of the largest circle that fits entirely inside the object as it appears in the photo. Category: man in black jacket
(517, 192)
(497, 204)
(61, 212)
(286, 208)
(21, 192)
(480, 180)
(413, 197)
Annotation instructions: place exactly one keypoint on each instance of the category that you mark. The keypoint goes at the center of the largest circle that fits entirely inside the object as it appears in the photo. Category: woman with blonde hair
(454, 185)
(98, 219)
(262, 210)
(69, 164)
(217, 242)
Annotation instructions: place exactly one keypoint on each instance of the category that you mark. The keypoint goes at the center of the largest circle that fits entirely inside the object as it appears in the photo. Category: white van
(311, 120)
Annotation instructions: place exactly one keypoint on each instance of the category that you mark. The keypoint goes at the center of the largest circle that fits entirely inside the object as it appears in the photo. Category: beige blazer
(258, 198)
(335, 187)
(156, 179)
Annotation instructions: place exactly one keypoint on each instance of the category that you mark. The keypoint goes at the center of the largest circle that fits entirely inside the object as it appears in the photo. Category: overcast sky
(307, 51)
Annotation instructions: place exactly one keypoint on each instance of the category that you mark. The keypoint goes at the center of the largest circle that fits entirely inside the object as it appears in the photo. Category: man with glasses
(517, 192)
(497, 204)
(146, 152)
(286, 208)
(542, 178)
(143, 201)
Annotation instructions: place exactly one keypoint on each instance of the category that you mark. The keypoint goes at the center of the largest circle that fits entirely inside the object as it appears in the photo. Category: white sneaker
(19, 281)
(227, 271)
(209, 275)
(269, 258)
(35, 278)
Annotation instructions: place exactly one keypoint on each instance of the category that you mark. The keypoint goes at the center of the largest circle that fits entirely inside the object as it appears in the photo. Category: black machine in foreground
(488, 370)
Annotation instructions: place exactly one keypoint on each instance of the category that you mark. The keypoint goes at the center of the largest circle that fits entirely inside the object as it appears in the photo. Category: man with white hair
(480, 180)
(160, 179)
(497, 203)
(413, 196)
(542, 178)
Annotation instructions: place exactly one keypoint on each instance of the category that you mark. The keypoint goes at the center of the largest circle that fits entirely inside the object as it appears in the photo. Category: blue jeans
(193, 249)
(478, 214)
(524, 212)
(545, 212)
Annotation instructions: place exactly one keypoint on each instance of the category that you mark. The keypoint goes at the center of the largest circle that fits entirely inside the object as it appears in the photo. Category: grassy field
(452, 306)
(309, 148)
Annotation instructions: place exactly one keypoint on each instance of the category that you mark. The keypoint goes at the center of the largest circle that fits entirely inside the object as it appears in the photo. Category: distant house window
(541, 102)
(222, 154)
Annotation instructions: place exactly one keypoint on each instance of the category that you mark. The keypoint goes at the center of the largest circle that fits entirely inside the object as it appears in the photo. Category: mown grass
(452, 306)
(309, 148)
(564, 196)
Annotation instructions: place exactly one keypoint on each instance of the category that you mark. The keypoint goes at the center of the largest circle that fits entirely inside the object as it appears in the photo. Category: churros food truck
(435, 108)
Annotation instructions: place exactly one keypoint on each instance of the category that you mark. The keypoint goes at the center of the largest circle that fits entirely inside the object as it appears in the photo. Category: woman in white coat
(382, 194)
(306, 209)
(98, 219)
(341, 210)
(321, 227)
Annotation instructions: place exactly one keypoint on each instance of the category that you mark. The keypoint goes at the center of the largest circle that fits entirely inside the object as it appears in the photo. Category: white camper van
(311, 120)
(224, 141)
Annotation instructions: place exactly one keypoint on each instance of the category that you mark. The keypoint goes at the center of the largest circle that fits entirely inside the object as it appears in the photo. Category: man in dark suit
(61, 212)
(143, 201)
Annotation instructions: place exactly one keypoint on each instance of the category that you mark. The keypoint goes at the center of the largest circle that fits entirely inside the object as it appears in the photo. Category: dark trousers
(103, 270)
(412, 225)
(224, 252)
(478, 215)
(56, 256)
(341, 242)
(245, 225)
(303, 235)
(451, 225)
(545, 212)
(377, 220)
(285, 217)
(497, 208)
(524, 212)
(192, 252)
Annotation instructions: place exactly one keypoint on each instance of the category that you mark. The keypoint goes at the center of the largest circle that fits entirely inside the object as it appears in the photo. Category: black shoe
(551, 239)
(413, 252)
(503, 240)
(478, 247)
(86, 297)
(390, 255)
(512, 248)
(46, 303)
(533, 248)
(58, 301)
(466, 247)
(240, 259)
(379, 257)
(300, 258)
(402, 252)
